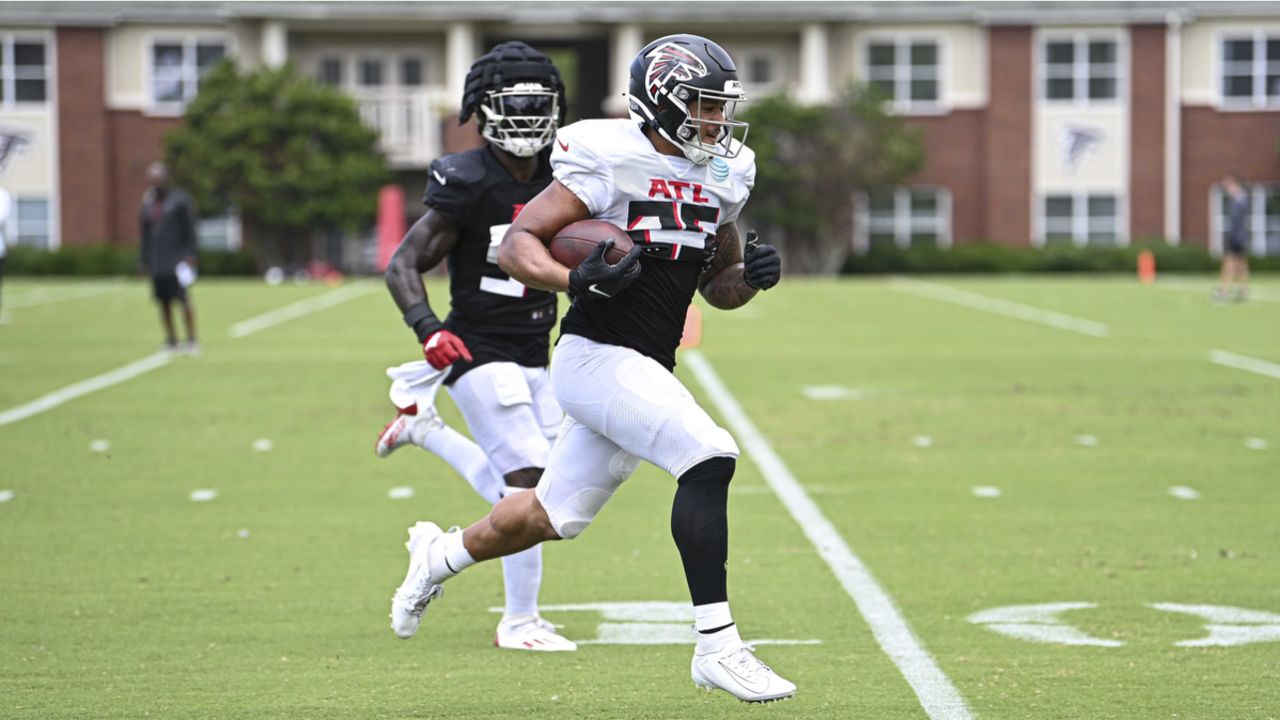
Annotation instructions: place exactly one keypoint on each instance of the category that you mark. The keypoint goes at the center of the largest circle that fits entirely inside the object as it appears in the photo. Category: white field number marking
(1255, 443)
(996, 306)
(1182, 492)
(99, 445)
(645, 623)
(937, 695)
(402, 492)
(986, 491)
(1227, 626)
(1039, 623)
(6, 495)
(922, 441)
(263, 445)
(1087, 440)
(203, 495)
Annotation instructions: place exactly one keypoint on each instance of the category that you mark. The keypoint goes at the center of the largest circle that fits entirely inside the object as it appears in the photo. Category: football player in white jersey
(491, 350)
(675, 176)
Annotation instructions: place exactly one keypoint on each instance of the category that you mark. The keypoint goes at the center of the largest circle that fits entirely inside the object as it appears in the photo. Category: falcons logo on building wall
(670, 60)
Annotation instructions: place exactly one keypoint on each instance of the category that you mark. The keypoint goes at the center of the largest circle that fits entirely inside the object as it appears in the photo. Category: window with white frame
(24, 70)
(177, 67)
(906, 216)
(329, 71)
(412, 70)
(904, 70)
(1251, 69)
(1080, 68)
(761, 71)
(1080, 219)
(370, 72)
(1262, 223)
(31, 224)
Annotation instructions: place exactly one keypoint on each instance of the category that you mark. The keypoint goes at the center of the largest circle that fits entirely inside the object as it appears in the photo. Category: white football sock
(710, 617)
(465, 457)
(521, 576)
(453, 559)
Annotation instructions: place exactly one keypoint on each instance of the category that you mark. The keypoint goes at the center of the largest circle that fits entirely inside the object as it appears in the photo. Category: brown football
(575, 242)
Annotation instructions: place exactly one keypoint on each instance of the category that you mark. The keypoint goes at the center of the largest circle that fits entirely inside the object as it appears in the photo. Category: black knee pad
(712, 471)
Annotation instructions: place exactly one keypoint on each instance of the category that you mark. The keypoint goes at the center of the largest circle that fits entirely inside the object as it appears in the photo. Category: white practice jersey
(670, 206)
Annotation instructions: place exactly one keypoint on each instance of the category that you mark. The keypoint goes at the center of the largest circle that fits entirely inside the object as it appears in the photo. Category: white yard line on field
(996, 306)
(84, 387)
(151, 362)
(32, 298)
(1259, 294)
(299, 309)
(1244, 362)
(938, 696)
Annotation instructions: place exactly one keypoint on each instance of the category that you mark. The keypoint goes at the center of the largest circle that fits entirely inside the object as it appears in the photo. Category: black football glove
(762, 267)
(595, 277)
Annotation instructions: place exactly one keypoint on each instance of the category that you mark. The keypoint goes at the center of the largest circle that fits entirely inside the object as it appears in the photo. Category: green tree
(810, 162)
(291, 155)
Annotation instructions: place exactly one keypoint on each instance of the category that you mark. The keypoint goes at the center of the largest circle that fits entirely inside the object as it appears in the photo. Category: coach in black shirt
(167, 239)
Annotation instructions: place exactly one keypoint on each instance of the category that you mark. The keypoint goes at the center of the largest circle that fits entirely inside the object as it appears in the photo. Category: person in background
(167, 241)
(1233, 283)
(5, 203)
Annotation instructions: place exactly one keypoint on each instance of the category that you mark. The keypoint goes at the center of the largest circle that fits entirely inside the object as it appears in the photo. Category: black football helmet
(517, 96)
(673, 80)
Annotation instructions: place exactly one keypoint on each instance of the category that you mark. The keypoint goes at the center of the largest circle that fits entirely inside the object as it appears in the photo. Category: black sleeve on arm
(423, 321)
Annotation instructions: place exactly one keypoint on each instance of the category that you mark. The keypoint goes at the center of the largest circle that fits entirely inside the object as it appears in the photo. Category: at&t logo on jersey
(718, 170)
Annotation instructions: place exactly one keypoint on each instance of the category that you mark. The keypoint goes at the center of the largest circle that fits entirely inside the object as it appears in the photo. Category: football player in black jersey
(675, 176)
(491, 350)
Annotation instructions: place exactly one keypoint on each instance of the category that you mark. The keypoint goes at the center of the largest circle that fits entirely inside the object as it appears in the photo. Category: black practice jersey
(498, 318)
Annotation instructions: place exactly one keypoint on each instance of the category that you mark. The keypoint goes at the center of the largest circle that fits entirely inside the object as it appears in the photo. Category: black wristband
(423, 321)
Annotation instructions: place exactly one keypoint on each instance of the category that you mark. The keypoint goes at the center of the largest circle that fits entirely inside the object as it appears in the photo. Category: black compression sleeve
(423, 321)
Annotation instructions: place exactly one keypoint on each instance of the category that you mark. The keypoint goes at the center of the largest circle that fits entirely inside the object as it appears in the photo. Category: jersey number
(509, 287)
(672, 224)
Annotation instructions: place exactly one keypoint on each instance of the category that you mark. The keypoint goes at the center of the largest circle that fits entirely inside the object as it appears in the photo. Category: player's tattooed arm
(723, 283)
(428, 242)
(523, 254)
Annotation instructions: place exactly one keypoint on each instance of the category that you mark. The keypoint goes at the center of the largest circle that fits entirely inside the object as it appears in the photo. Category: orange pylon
(1146, 267)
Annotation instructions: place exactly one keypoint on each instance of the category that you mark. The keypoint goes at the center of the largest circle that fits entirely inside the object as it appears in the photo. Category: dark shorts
(166, 288)
(1235, 246)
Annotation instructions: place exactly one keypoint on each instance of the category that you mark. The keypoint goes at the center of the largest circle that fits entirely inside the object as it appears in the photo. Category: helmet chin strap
(695, 154)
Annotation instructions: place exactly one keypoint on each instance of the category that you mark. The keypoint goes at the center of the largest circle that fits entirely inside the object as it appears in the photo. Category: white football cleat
(406, 429)
(737, 671)
(417, 591)
(530, 632)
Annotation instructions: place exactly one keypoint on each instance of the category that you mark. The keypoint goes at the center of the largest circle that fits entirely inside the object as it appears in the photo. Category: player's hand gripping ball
(762, 267)
(587, 247)
(442, 349)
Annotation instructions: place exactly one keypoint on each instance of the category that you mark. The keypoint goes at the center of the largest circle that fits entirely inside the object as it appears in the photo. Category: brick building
(1091, 123)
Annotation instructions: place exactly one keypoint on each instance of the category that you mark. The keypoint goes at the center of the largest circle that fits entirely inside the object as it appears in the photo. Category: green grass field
(122, 598)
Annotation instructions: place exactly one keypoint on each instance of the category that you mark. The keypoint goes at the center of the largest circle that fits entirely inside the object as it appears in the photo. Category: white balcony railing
(408, 122)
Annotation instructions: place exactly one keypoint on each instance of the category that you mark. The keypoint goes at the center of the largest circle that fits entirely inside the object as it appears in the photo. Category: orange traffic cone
(1146, 267)
(692, 336)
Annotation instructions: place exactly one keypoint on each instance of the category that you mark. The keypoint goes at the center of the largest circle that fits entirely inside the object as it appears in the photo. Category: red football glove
(443, 348)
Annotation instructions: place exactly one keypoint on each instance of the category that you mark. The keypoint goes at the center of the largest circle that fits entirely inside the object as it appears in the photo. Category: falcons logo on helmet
(671, 61)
